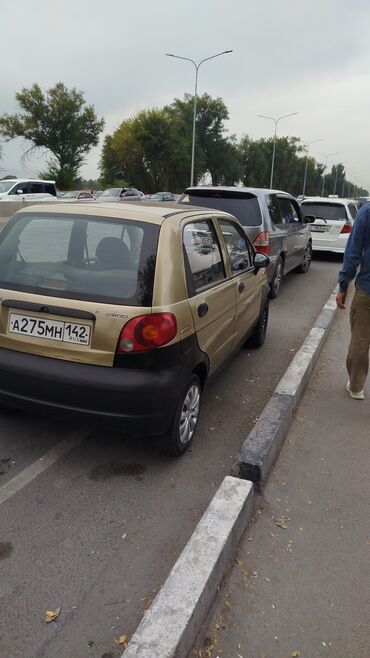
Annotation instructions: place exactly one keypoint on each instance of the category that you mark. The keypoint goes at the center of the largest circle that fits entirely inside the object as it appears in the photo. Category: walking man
(357, 254)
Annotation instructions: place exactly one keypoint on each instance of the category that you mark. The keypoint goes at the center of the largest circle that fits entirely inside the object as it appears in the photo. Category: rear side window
(273, 208)
(80, 257)
(353, 210)
(244, 206)
(237, 246)
(49, 188)
(288, 212)
(202, 252)
(331, 211)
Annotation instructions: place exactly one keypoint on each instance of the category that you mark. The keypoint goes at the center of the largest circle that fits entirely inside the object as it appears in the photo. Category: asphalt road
(95, 526)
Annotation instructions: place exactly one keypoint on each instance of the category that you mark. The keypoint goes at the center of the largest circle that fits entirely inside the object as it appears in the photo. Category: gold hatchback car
(122, 313)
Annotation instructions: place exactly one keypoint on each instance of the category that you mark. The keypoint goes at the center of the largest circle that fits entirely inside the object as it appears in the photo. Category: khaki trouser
(358, 351)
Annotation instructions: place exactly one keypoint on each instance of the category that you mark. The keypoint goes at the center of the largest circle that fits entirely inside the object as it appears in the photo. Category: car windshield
(333, 211)
(70, 195)
(113, 191)
(244, 206)
(5, 185)
(156, 196)
(80, 257)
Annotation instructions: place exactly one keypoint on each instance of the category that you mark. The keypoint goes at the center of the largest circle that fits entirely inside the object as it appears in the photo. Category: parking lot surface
(94, 528)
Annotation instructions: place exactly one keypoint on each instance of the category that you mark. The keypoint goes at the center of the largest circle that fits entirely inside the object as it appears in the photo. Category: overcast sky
(311, 57)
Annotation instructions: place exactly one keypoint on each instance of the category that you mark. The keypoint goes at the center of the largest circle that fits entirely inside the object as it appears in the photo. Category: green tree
(152, 150)
(58, 122)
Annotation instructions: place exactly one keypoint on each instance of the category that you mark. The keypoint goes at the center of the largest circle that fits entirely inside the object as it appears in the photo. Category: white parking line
(33, 470)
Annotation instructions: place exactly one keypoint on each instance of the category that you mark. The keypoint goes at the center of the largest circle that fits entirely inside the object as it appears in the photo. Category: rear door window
(80, 257)
(236, 245)
(202, 256)
(274, 208)
(288, 212)
(243, 205)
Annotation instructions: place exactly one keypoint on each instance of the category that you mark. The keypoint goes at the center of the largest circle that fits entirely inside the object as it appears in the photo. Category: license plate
(65, 332)
(320, 229)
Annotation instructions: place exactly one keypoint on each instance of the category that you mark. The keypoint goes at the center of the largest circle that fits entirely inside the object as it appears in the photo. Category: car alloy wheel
(307, 258)
(183, 426)
(189, 415)
(277, 279)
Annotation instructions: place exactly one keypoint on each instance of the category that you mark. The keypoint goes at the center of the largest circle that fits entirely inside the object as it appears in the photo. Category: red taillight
(146, 332)
(262, 243)
(347, 228)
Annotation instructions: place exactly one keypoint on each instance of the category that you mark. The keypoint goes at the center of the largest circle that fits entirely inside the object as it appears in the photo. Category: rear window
(80, 257)
(243, 205)
(334, 211)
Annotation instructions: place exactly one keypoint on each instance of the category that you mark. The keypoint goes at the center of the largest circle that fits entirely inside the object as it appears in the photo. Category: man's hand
(341, 299)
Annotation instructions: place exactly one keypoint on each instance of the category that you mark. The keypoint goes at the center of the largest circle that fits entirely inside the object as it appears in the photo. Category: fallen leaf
(239, 562)
(368, 541)
(51, 615)
(121, 640)
(300, 529)
(124, 536)
(295, 654)
(281, 521)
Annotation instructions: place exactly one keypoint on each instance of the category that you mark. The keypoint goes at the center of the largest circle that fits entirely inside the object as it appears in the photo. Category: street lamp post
(327, 156)
(276, 121)
(308, 144)
(197, 66)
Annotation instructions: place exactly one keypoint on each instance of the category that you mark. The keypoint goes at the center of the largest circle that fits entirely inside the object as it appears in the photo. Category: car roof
(258, 191)
(141, 211)
(27, 180)
(321, 199)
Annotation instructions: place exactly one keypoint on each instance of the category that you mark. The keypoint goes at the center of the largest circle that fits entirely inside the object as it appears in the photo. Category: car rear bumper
(137, 401)
(338, 245)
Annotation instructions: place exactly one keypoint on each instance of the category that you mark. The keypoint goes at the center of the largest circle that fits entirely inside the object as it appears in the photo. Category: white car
(334, 218)
(26, 189)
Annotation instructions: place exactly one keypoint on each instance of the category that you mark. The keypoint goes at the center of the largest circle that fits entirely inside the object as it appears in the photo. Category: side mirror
(309, 219)
(260, 261)
(19, 191)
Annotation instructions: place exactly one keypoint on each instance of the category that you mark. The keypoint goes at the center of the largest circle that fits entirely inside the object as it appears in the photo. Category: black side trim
(47, 308)
(185, 353)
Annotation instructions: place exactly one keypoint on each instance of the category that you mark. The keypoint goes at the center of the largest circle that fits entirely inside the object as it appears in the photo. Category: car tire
(259, 333)
(184, 424)
(277, 278)
(305, 265)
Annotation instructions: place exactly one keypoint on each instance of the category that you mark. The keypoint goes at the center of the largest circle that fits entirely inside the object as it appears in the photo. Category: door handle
(202, 310)
(241, 286)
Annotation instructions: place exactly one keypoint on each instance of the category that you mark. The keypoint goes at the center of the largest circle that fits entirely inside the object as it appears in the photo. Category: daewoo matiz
(122, 313)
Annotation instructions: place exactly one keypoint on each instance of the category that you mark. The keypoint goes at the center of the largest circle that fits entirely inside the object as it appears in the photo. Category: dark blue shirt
(357, 253)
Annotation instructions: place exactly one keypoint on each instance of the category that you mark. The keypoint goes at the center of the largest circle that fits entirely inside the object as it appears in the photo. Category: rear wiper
(323, 219)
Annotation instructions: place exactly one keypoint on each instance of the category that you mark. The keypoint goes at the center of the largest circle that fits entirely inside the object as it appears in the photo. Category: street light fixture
(197, 66)
(326, 156)
(308, 144)
(276, 121)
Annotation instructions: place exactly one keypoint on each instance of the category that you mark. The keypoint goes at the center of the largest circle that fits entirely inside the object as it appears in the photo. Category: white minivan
(27, 189)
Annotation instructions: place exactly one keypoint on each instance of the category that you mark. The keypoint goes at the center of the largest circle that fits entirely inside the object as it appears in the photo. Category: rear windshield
(244, 206)
(80, 257)
(336, 211)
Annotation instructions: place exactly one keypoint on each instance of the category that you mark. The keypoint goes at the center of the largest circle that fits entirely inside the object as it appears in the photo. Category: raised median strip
(261, 447)
(172, 622)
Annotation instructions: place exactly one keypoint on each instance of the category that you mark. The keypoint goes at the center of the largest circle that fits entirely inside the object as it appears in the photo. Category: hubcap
(189, 414)
(278, 276)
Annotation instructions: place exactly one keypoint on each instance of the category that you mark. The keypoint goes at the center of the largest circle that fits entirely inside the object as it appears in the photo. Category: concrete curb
(262, 445)
(174, 619)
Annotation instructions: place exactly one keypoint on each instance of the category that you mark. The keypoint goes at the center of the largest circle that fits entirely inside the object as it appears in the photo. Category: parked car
(161, 196)
(91, 323)
(26, 189)
(78, 196)
(333, 221)
(120, 194)
(272, 221)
